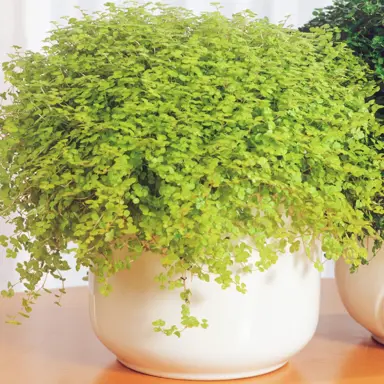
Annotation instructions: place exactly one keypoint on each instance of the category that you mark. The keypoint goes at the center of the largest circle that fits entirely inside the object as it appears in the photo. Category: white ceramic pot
(248, 335)
(362, 292)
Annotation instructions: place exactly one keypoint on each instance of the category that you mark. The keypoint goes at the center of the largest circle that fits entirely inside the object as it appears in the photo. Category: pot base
(203, 376)
(378, 339)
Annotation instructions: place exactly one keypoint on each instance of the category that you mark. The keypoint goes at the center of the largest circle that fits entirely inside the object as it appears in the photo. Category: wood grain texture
(57, 346)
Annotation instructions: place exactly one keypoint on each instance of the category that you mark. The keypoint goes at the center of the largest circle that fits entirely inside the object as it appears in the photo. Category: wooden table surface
(57, 346)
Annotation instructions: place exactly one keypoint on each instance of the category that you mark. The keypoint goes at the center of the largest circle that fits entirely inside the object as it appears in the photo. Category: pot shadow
(356, 354)
(118, 374)
(342, 328)
(364, 361)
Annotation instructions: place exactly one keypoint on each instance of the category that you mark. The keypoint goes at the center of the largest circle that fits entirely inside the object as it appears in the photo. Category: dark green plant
(361, 26)
(151, 128)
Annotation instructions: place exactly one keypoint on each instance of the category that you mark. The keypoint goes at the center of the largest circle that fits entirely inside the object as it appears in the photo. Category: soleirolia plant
(150, 128)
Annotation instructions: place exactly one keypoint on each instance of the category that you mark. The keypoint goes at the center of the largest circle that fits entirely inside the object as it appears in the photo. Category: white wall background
(25, 23)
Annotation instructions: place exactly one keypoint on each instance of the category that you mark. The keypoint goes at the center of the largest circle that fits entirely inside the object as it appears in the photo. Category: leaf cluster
(360, 25)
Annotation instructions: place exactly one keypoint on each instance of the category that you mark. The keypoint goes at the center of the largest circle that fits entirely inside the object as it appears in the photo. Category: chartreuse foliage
(361, 26)
(151, 128)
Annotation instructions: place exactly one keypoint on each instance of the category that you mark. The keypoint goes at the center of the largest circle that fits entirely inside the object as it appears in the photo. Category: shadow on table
(118, 374)
(365, 361)
(356, 355)
(342, 328)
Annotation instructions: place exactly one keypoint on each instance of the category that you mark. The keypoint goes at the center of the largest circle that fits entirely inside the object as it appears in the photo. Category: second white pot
(362, 292)
(248, 334)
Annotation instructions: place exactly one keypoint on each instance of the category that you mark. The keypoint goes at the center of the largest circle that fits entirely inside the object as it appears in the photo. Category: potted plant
(360, 25)
(185, 152)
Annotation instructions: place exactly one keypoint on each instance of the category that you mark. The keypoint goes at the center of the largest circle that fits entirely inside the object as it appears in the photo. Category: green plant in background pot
(360, 24)
(194, 150)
